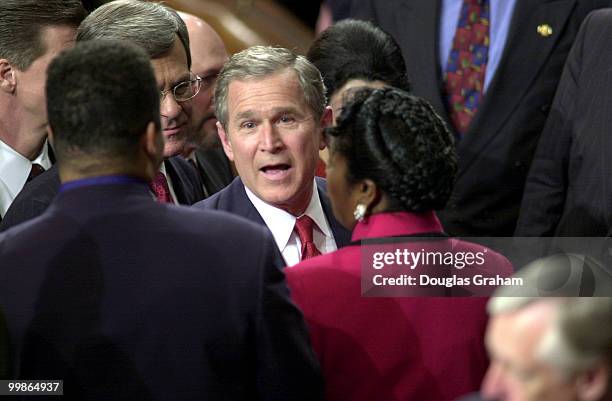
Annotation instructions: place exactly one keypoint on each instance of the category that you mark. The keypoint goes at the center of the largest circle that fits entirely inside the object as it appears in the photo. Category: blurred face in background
(516, 372)
(208, 55)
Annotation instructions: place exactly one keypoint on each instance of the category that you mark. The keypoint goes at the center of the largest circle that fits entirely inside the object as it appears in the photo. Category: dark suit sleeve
(287, 367)
(546, 188)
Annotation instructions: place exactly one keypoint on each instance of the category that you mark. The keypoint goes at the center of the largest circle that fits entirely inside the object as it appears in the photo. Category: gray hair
(263, 61)
(151, 26)
(21, 24)
(580, 334)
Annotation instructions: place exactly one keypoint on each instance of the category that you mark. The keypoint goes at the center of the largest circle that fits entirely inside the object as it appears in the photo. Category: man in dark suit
(108, 304)
(31, 34)
(163, 34)
(568, 191)
(528, 43)
(270, 104)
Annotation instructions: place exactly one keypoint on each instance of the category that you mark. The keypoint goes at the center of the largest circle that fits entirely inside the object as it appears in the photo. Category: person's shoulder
(225, 198)
(343, 260)
(45, 186)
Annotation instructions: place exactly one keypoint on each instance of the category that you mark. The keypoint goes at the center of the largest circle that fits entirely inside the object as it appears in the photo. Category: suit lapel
(341, 234)
(417, 31)
(524, 54)
(241, 204)
(174, 175)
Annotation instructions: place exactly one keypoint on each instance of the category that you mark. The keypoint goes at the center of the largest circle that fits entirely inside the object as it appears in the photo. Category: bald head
(208, 55)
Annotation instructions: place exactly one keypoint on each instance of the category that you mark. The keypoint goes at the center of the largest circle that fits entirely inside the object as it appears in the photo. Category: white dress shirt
(14, 172)
(282, 224)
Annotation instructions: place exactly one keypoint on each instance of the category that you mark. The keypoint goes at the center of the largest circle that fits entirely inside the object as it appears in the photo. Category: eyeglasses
(184, 90)
(209, 80)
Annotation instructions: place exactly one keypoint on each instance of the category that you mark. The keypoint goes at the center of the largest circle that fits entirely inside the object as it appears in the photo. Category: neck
(297, 208)
(73, 172)
(20, 132)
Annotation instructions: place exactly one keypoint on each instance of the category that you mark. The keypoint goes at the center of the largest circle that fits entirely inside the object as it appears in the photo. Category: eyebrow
(276, 111)
(182, 78)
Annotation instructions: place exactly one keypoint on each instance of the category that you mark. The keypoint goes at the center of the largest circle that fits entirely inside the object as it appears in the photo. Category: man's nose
(270, 138)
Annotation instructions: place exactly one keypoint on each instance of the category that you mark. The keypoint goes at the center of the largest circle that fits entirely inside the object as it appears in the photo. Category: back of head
(353, 49)
(101, 96)
(398, 141)
(21, 23)
(151, 26)
(264, 61)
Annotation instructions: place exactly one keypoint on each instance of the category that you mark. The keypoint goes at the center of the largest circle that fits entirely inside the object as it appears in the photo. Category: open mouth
(275, 170)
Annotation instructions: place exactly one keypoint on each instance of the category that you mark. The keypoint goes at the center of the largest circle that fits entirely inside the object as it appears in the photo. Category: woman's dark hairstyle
(398, 141)
(353, 49)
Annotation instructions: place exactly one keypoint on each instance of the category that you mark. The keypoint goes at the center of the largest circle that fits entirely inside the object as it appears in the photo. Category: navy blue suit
(233, 199)
(132, 299)
(37, 195)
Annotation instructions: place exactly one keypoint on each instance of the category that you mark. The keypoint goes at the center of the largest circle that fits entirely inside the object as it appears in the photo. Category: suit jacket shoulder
(33, 199)
(193, 300)
(214, 168)
(185, 181)
(234, 199)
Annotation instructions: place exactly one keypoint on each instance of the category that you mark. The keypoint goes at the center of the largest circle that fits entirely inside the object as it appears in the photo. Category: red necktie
(35, 171)
(159, 186)
(467, 62)
(303, 226)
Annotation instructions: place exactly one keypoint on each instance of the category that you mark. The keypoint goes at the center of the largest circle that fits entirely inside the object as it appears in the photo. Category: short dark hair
(22, 22)
(101, 96)
(152, 26)
(353, 49)
(399, 142)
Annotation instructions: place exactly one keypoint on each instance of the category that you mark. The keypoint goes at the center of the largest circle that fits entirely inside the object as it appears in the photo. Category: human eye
(247, 125)
(286, 119)
(182, 90)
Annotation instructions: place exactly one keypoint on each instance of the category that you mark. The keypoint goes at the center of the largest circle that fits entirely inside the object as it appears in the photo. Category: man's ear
(50, 134)
(225, 141)
(593, 384)
(326, 121)
(8, 80)
(153, 144)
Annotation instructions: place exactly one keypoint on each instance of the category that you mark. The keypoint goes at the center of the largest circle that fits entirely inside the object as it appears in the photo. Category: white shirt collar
(282, 223)
(14, 171)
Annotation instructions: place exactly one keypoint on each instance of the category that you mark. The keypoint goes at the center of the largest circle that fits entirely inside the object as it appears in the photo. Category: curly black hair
(399, 142)
(353, 49)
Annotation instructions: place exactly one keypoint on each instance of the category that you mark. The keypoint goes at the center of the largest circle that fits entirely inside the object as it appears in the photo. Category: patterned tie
(303, 226)
(35, 171)
(159, 186)
(467, 62)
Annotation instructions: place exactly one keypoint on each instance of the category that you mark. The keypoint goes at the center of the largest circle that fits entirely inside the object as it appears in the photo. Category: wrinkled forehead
(171, 68)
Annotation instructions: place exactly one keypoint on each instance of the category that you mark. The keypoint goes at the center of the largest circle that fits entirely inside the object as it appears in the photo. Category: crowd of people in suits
(163, 234)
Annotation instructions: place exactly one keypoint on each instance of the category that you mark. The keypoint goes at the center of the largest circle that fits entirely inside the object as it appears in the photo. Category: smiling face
(171, 70)
(274, 138)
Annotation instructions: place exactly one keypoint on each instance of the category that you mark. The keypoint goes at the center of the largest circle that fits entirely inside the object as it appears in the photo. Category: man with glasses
(163, 34)
(204, 149)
